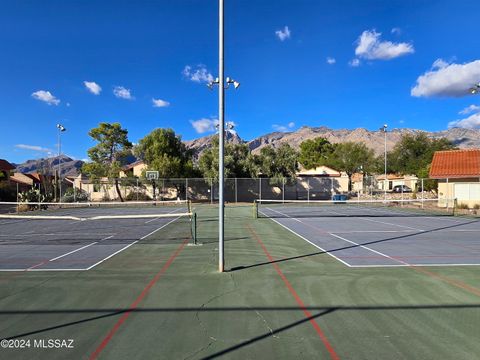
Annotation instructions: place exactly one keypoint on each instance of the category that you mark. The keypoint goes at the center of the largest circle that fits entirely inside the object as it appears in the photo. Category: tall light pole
(384, 129)
(220, 81)
(58, 181)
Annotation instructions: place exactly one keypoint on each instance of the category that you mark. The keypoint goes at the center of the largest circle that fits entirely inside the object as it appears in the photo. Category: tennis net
(351, 208)
(131, 217)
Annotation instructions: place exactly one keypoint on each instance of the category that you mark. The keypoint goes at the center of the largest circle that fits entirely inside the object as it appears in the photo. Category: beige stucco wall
(446, 192)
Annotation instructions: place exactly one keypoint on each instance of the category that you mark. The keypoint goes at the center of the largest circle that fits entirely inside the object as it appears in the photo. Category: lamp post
(385, 182)
(222, 85)
(58, 181)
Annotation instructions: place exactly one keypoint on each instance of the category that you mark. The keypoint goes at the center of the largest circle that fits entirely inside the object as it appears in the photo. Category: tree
(163, 151)
(238, 161)
(352, 157)
(108, 156)
(414, 153)
(277, 163)
(315, 152)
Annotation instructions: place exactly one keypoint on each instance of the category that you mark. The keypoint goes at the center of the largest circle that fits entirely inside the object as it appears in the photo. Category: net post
(194, 228)
(255, 209)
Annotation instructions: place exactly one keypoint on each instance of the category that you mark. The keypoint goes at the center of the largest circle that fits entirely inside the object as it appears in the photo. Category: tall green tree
(352, 157)
(162, 150)
(315, 152)
(278, 163)
(414, 153)
(109, 154)
(238, 161)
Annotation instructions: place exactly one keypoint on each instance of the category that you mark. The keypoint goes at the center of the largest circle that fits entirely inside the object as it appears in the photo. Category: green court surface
(281, 298)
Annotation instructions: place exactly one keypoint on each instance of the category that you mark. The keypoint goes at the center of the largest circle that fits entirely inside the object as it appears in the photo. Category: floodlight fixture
(230, 81)
(60, 127)
(212, 83)
(475, 89)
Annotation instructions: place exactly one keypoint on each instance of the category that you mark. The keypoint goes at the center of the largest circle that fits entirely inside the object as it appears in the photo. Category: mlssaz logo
(53, 343)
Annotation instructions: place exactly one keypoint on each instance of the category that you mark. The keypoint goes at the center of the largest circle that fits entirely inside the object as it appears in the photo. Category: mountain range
(462, 138)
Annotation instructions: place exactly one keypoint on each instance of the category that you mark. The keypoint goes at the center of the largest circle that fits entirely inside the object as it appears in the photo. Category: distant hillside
(200, 144)
(69, 166)
(463, 138)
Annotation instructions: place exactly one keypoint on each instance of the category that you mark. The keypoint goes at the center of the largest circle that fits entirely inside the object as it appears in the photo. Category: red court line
(299, 301)
(133, 306)
(457, 283)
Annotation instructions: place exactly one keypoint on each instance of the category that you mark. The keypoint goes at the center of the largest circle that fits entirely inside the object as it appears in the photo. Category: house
(458, 175)
(322, 182)
(134, 169)
(5, 169)
(393, 180)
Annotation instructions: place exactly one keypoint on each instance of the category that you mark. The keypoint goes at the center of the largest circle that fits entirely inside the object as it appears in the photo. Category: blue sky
(341, 64)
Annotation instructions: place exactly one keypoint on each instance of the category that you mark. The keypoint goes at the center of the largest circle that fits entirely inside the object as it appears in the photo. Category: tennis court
(280, 297)
(374, 234)
(81, 236)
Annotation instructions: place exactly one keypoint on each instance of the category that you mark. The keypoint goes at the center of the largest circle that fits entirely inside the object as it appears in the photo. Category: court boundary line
(323, 337)
(136, 302)
(401, 264)
(305, 239)
(100, 261)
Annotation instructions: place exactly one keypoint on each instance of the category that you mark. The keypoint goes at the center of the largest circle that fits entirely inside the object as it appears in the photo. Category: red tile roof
(5, 165)
(455, 164)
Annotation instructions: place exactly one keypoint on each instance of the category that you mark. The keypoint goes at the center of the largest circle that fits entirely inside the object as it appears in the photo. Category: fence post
(308, 189)
(236, 191)
(448, 195)
(422, 194)
(211, 190)
(136, 189)
(283, 191)
(74, 193)
(186, 189)
(260, 188)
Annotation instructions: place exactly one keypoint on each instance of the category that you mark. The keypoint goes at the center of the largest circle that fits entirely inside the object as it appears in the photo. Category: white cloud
(160, 103)
(284, 128)
(93, 87)
(33, 147)
(46, 96)
(331, 60)
(450, 80)
(371, 47)
(123, 93)
(198, 74)
(471, 122)
(354, 63)
(284, 34)
(204, 125)
(470, 109)
(396, 31)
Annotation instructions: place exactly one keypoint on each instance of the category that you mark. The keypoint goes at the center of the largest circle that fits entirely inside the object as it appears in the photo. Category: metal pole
(260, 188)
(385, 182)
(422, 195)
(221, 135)
(236, 191)
(283, 191)
(186, 189)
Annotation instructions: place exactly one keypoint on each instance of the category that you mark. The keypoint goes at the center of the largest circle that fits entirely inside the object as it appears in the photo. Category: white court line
(133, 243)
(380, 222)
(71, 252)
(372, 250)
(303, 238)
(411, 265)
(22, 270)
